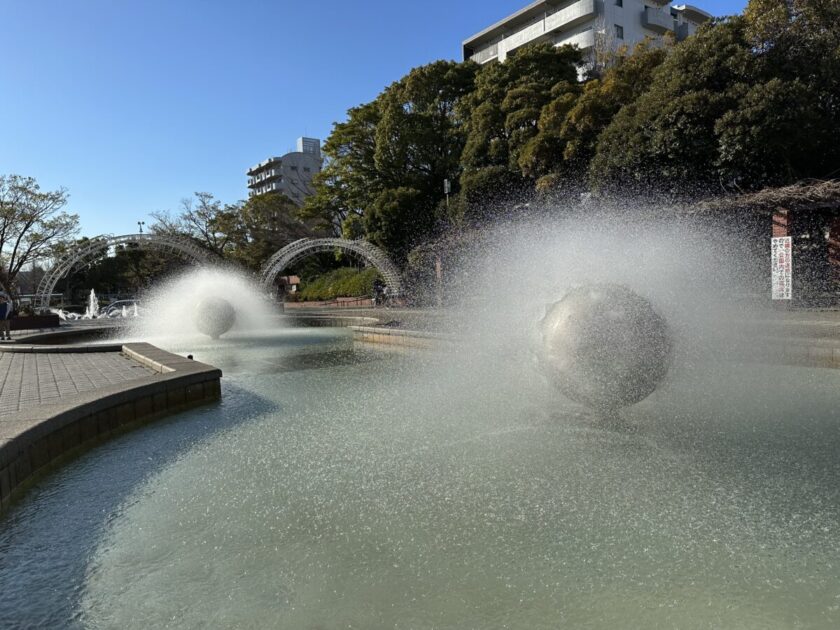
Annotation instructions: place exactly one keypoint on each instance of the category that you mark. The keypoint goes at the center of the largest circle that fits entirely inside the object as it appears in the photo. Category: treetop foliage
(747, 102)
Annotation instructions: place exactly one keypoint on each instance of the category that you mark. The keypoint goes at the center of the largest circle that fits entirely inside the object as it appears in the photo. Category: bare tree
(607, 50)
(203, 219)
(32, 223)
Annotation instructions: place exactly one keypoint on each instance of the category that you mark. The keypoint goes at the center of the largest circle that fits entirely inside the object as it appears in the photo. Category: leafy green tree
(265, 224)
(796, 47)
(522, 106)
(32, 224)
(486, 191)
(504, 114)
(397, 220)
(420, 136)
(410, 138)
(544, 152)
(353, 227)
(665, 138)
(349, 180)
(754, 139)
(505, 106)
(792, 36)
(747, 102)
(626, 79)
(486, 141)
(570, 124)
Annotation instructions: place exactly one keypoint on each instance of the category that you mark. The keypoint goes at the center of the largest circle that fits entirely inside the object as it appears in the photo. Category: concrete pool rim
(42, 437)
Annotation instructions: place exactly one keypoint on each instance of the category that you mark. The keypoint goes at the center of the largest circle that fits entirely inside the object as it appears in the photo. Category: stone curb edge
(42, 437)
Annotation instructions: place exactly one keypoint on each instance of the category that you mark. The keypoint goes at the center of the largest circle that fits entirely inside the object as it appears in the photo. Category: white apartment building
(618, 22)
(290, 174)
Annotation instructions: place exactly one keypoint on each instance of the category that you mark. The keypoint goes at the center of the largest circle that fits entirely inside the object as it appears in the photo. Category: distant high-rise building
(585, 23)
(290, 174)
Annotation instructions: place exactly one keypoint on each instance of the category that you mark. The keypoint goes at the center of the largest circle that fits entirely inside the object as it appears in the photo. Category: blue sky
(134, 105)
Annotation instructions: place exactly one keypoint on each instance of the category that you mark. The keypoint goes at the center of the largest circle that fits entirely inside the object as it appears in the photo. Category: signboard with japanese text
(781, 263)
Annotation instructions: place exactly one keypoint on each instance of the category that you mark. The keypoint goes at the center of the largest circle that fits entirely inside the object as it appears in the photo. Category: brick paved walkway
(28, 379)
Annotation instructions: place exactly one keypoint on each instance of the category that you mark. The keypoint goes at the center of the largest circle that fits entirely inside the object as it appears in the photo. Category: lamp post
(140, 224)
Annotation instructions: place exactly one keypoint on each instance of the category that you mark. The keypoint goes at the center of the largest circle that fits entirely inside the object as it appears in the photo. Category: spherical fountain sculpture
(214, 316)
(604, 346)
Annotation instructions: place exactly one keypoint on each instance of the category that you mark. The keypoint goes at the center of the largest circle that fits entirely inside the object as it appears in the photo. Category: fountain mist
(703, 282)
(169, 309)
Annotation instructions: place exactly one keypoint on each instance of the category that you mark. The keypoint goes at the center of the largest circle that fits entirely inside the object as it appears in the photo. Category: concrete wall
(405, 338)
(34, 322)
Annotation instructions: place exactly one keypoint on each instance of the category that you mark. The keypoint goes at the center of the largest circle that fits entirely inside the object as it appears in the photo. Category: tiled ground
(28, 379)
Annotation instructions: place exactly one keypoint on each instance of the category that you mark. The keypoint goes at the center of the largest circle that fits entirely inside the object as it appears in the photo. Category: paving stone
(27, 380)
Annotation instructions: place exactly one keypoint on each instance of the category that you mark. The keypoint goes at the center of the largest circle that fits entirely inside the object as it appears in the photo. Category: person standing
(378, 287)
(5, 313)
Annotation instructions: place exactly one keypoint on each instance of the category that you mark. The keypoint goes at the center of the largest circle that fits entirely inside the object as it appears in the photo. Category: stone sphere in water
(604, 346)
(214, 316)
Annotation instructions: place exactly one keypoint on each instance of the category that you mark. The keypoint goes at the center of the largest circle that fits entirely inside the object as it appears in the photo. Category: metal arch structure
(307, 246)
(99, 245)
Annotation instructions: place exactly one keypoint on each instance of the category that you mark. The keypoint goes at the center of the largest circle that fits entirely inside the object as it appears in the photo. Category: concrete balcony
(264, 175)
(484, 55)
(539, 21)
(543, 27)
(525, 35)
(584, 40)
(657, 20)
(692, 14)
(571, 16)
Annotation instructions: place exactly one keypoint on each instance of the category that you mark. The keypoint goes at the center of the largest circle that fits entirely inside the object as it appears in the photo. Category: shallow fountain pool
(342, 487)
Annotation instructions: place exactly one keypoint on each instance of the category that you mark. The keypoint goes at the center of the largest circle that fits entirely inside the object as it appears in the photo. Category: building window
(619, 32)
(619, 3)
(306, 169)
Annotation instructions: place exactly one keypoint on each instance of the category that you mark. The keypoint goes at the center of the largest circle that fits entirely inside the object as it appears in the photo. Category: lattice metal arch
(308, 246)
(99, 245)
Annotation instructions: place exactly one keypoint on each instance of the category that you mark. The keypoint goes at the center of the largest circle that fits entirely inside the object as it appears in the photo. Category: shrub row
(343, 282)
